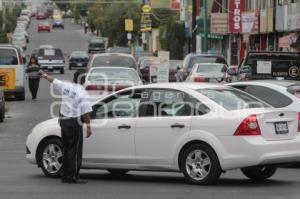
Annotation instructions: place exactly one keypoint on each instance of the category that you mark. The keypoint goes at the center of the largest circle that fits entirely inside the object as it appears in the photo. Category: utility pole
(194, 27)
(205, 41)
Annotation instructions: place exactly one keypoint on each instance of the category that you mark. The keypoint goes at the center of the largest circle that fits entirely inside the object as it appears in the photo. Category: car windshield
(8, 57)
(232, 99)
(205, 59)
(79, 54)
(111, 74)
(120, 50)
(49, 52)
(121, 61)
(211, 68)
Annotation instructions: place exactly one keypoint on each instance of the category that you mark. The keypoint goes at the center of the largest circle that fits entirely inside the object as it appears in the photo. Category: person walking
(74, 113)
(32, 70)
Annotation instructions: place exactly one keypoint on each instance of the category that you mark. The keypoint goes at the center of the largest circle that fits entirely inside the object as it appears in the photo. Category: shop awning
(286, 41)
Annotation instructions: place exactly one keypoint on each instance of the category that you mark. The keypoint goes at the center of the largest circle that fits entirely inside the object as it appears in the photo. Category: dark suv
(268, 65)
(96, 45)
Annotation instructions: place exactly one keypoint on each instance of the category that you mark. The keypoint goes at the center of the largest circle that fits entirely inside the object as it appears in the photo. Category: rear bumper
(53, 67)
(96, 51)
(18, 89)
(77, 65)
(239, 152)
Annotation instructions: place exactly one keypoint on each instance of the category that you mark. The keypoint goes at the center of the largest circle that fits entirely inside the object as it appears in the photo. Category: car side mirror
(232, 71)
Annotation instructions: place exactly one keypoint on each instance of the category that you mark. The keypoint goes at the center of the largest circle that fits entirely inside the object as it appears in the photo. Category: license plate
(281, 128)
(50, 67)
(79, 65)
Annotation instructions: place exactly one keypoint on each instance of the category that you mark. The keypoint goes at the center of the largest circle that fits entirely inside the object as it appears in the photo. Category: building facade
(238, 26)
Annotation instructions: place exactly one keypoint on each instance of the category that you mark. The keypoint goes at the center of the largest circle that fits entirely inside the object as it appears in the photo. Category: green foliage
(172, 37)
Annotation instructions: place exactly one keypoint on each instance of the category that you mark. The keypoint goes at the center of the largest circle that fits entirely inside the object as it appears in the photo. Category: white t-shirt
(75, 100)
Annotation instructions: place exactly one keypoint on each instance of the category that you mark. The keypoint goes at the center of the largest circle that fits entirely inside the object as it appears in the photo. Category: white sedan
(199, 130)
(102, 81)
(279, 94)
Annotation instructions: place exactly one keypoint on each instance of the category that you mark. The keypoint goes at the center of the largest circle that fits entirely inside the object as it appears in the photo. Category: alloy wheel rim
(198, 165)
(52, 158)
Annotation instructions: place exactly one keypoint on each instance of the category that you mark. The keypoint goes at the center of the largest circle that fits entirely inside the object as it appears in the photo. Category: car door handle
(124, 126)
(181, 126)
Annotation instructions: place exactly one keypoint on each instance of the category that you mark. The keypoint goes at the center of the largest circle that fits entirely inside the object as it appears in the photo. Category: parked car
(172, 127)
(41, 16)
(208, 72)
(78, 59)
(195, 58)
(58, 23)
(102, 81)
(11, 58)
(52, 59)
(44, 26)
(279, 94)
(19, 40)
(19, 32)
(2, 100)
(96, 45)
(268, 65)
(112, 59)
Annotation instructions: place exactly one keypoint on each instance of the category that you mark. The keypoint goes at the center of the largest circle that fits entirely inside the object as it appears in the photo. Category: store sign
(219, 23)
(236, 8)
(250, 22)
(146, 22)
(263, 21)
(128, 25)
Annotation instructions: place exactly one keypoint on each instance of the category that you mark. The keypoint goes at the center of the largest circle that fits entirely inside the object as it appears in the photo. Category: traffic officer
(74, 112)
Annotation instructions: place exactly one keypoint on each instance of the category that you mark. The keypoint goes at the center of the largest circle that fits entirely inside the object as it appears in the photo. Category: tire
(52, 146)
(20, 96)
(62, 71)
(197, 153)
(2, 115)
(117, 172)
(259, 173)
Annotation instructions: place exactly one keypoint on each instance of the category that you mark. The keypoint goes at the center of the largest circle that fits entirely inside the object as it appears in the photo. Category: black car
(268, 65)
(96, 45)
(2, 102)
(58, 23)
(78, 59)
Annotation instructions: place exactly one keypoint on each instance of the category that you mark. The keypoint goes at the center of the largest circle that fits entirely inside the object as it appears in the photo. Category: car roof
(282, 83)
(113, 54)
(112, 67)
(205, 55)
(185, 85)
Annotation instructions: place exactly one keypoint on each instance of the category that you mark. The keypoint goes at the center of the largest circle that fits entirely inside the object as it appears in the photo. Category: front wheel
(118, 171)
(259, 173)
(200, 165)
(20, 96)
(50, 154)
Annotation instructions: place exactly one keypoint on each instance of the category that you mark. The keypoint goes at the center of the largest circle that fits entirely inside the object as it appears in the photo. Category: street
(20, 179)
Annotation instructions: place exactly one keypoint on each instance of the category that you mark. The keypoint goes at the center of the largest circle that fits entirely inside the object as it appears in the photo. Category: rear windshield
(205, 59)
(105, 74)
(211, 68)
(121, 61)
(274, 65)
(232, 99)
(96, 45)
(8, 57)
(50, 53)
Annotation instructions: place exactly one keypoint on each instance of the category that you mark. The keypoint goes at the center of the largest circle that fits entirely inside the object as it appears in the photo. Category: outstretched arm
(46, 76)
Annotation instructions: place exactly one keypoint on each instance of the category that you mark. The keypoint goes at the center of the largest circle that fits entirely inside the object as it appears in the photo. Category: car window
(271, 96)
(198, 107)
(124, 105)
(121, 61)
(8, 57)
(211, 68)
(232, 99)
(205, 59)
(166, 103)
(49, 52)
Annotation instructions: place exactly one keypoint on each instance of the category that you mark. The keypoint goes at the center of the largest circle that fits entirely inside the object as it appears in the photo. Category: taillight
(249, 127)
(299, 122)
(199, 79)
(93, 88)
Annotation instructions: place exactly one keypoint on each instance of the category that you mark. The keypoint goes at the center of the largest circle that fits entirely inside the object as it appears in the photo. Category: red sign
(236, 8)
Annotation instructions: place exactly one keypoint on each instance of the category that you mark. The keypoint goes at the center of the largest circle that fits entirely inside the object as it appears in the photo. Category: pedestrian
(32, 70)
(179, 75)
(74, 113)
(86, 26)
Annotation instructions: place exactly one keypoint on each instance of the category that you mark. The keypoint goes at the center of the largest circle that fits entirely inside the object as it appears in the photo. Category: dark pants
(34, 86)
(72, 138)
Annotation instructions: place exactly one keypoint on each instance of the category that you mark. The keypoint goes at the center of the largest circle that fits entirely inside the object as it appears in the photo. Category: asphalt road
(21, 180)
